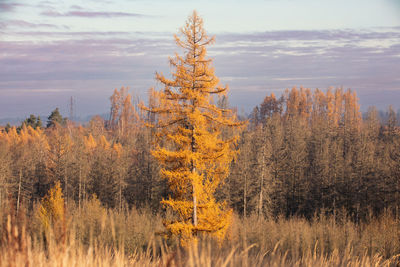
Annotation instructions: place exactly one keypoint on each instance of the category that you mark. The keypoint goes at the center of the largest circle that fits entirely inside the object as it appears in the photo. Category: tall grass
(96, 236)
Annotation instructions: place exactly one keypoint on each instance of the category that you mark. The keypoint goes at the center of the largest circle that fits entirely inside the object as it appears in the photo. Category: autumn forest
(306, 179)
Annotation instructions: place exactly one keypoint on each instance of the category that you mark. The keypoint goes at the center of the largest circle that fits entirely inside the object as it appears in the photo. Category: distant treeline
(301, 154)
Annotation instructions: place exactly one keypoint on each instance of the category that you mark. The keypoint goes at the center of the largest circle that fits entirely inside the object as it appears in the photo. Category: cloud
(70, 34)
(76, 7)
(25, 24)
(90, 14)
(35, 91)
(309, 38)
(311, 44)
(9, 6)
(253, 64)
(47, 2)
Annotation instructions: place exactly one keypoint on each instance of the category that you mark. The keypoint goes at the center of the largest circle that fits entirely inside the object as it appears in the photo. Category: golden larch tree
(194, 158)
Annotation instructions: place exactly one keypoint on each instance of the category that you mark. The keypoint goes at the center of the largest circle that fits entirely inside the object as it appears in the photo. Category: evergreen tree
(7, 128)
(32, 121)
(55, 118)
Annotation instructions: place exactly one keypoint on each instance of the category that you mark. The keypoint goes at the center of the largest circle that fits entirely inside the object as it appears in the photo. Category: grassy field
(95, 236)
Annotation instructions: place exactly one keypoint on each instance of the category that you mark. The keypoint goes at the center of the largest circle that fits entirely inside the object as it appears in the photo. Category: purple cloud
(9, 6)
(76, 7)
(253, 64)
(311, 35)
(90, 14)
(78, 34)
(25, 24)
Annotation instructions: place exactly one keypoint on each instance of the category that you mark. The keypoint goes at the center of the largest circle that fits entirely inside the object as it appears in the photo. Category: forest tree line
(303, 153)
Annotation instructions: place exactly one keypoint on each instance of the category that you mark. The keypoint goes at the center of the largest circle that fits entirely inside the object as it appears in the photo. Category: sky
(51, 51)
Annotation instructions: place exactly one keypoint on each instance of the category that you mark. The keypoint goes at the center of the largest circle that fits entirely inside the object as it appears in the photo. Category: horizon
(52, 51)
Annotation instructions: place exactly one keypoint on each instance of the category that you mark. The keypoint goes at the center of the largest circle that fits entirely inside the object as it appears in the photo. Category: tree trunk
(194, 202)
(19, 189)
(194, 187)
(260, 204)
(193, 133)
(245, 195)
(150, 177)
(80, 188)
(66, 185)
(120, 193)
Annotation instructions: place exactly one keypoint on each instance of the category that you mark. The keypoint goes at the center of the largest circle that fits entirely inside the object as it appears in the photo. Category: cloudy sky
(52, 50)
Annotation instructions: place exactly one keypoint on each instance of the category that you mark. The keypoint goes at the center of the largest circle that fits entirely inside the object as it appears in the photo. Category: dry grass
(101, 237)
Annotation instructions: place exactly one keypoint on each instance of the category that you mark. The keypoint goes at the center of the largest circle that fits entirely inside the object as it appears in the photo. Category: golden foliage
(103, 143)
(90, 143)
(51, 209)
(123, 116)
(194, 157)
(117, 149)
(338, 107)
